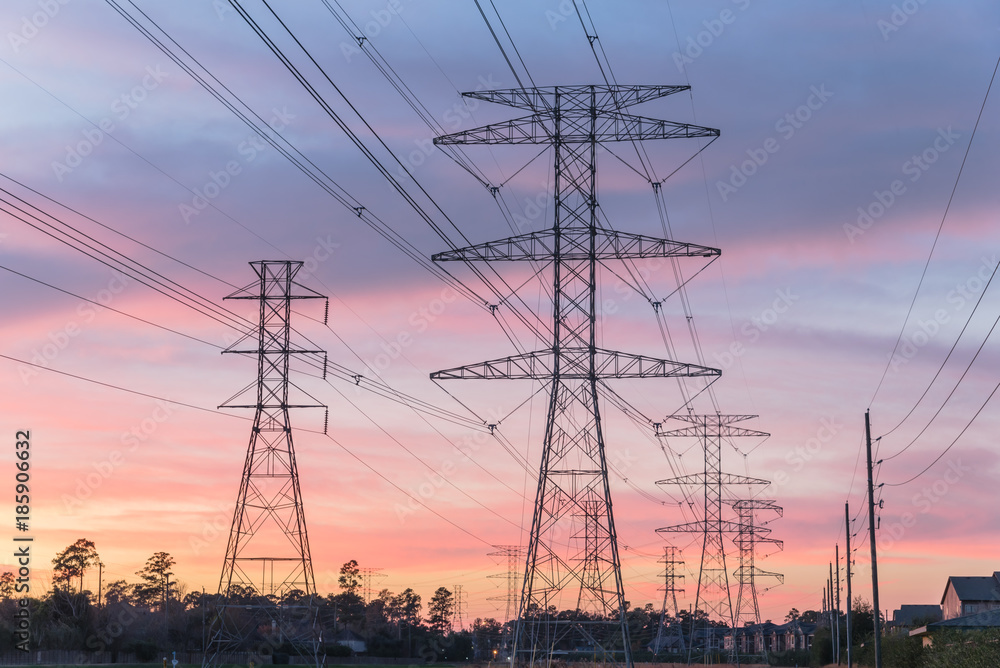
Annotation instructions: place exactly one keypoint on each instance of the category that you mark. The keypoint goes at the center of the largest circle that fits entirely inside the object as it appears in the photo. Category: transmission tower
(513, 555)
(569, 565)
(267, 588)
(713, 578)
(751, 535)
(367, 575)
(669, 636)
(461, 597)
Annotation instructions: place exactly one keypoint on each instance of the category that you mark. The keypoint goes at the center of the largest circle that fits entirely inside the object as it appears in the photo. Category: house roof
(980, 620)
(975, 588)
(908, 613)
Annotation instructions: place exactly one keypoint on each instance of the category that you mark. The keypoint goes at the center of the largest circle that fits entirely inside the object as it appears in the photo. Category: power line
(937, 236)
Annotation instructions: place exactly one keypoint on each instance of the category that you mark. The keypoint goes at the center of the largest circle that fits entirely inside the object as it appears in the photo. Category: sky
(852, 193)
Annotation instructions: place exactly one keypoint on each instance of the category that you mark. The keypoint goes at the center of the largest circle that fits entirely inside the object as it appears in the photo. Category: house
(670, 640)
(349, 638)
(796, 635)
(989, 619)
(909, 616)
(969, 595)
(750, 639)
(764, 638)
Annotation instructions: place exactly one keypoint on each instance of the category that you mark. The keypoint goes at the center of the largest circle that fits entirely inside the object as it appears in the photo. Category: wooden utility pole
(836, 596)
(833, 613)
(871, 537)
(100, 573)
(847, 617)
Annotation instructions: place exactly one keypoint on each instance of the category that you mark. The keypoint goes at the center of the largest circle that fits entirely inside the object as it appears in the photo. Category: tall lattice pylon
(572, 562)
(713, 594)
(752, 534)
(267, 588)
(669, 636)
(512, 555)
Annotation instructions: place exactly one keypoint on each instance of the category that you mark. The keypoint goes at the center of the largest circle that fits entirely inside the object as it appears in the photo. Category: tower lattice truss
(267, 590)
(713, 594)
(572, 561)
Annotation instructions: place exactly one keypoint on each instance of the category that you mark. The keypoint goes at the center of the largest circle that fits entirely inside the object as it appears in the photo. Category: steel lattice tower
(267, 588)
(666, 633)
(513, 555)
(713, 578)
(573, 564)
(368, 574)
(750, 536)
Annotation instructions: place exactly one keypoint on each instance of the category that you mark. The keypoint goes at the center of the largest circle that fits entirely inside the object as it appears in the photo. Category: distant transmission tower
(513, 554)
(367, 575)
(752, 534)
(267, 588)
(572, 561)
(713, 579)
(458, 622)
(669, 637)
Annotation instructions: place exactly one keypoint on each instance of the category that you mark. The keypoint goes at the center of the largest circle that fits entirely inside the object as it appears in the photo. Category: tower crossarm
(757, 504)
(727, 431)
(756, 537)
(576, 244)
(576, 129)
(713, 479)
(700, 526)
(575, 363)
(745, 572)
(544, 98)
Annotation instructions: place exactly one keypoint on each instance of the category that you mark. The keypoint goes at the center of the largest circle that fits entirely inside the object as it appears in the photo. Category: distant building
(909, 616)
(349, 638)
(990, 619)
(765, 638)
(969, 595)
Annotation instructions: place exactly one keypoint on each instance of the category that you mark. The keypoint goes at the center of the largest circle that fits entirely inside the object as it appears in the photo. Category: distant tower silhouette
(669, 637)
(513, 554)
(267, 588)
(713, 578)
(572, 559)
(751, 535)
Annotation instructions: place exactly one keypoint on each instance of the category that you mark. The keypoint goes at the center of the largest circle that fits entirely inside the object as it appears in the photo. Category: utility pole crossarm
(576, 244)
(575, 363)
